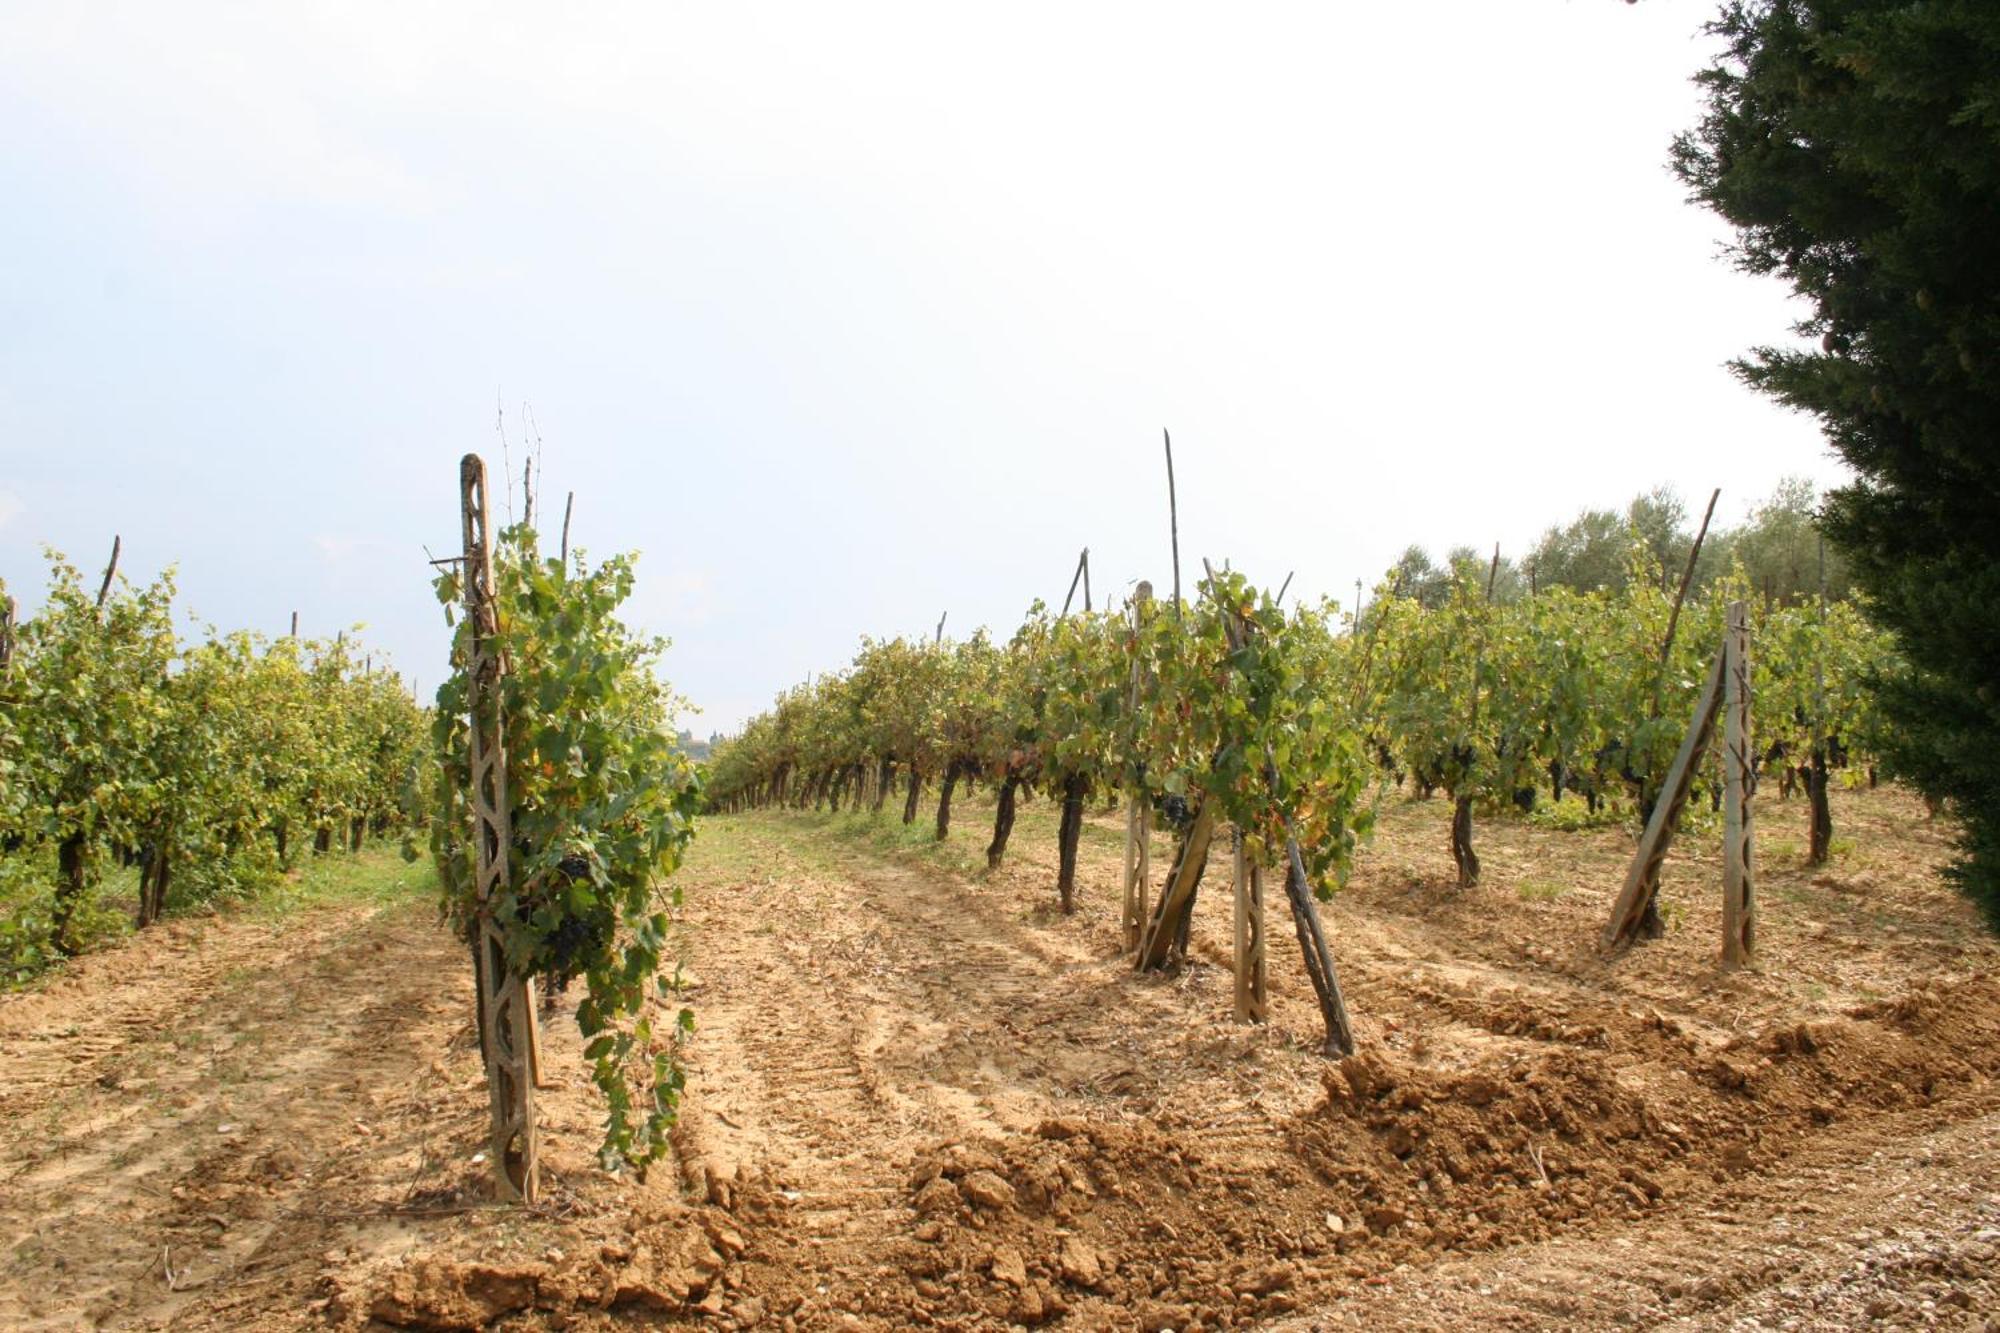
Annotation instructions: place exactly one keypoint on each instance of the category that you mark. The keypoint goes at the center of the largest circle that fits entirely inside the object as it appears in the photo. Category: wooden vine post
(506, 1008)
(1176, 899)
(1253, 1001)
(1138, 813)
(8, 612)
(1739, 899)
(1725, 697)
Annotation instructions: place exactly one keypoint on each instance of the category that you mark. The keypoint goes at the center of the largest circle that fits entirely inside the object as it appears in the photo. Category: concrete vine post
(506, 1009)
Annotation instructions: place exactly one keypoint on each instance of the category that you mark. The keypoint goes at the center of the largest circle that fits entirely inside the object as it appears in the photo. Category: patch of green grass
(1572, 813)
(1541, 890)
(376, 876)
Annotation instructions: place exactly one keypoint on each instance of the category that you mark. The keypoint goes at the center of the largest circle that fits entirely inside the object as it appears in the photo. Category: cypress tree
(1855, 147)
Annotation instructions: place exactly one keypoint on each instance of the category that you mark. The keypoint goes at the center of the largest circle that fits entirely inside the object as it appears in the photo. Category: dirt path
(175, 1107)
(919, 1096)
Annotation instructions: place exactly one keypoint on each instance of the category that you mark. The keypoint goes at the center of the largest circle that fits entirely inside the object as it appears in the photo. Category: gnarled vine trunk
(1821, 842)
(69, 894)
(1071, 830)
(1461, 843)
(885, 778)
(1003, 822)
(154, 873)
(951, 771)
(916, 788)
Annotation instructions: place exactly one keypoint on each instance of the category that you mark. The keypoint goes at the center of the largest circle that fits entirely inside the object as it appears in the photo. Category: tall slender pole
(104, 588)
(568, 505)
(1082, 563)
(1739, 898)
(1687, 577)
(505, 1009)
(1138, 815)
(1173, 520)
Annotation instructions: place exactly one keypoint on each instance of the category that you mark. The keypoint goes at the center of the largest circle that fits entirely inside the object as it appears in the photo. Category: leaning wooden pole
(1739, 898)
(111, 569)
(1163, 926)
(505, 1007)
(1632, 911)
(1318, 958)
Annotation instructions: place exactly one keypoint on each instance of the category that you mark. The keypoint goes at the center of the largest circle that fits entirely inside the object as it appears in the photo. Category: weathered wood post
(1138, 812)
(9, 610)
(111, 569)
(1176, 898)
(506, 1009)
(1739, 899)
(1253, 1003)
(1642, 878)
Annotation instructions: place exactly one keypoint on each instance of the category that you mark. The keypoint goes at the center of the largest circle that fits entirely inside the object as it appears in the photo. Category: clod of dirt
(1009, 1267)
(1081, 1262)
(987, 1190)
(440, 1294)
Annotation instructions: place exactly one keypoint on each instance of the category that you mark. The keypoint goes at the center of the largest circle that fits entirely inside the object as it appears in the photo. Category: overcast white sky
(848, 315)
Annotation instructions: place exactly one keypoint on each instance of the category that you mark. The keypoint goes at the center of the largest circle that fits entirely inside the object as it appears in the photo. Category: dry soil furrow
(245, 1106)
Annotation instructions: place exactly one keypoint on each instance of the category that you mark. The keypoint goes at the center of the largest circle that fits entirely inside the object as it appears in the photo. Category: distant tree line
(1778, 547)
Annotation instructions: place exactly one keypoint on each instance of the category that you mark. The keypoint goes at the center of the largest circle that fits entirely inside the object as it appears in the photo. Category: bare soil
(920, 1096)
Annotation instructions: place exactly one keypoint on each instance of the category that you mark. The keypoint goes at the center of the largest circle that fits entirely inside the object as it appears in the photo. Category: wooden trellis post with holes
(1725, 698)
(1138, 810)
(1739, 899)
(506, 1006)
(1253, 1004)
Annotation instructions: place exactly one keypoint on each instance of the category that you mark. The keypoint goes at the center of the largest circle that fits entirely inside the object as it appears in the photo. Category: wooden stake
(939, 638)
(295, 624)
(1138, 816)
(1318, 959)
(1086, 580)
(1687, 577)
(104, 588)
(1173, 520)
(1739, 898)
(1642, 880)
(1179, 892)
(9, 610)
(568, 505)
(1253, 1004)
(506, 1012)
(1082, 562)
